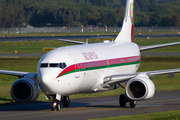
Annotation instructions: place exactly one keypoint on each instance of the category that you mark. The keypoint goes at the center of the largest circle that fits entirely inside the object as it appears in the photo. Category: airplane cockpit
(53, 65)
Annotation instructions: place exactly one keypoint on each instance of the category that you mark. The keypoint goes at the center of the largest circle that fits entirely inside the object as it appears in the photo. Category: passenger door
(77, 74)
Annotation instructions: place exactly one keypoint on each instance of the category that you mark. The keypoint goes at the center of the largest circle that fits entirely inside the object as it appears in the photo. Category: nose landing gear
(56, 102)
(66, 101)
(55, 105)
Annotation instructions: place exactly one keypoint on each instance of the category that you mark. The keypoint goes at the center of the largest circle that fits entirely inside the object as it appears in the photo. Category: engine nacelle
(25, 89)
(139, 88)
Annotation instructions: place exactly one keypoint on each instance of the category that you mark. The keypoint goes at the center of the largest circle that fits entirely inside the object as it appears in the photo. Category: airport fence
(79, 29)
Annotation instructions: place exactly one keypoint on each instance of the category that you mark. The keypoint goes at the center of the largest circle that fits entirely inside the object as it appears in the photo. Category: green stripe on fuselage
(101, 67)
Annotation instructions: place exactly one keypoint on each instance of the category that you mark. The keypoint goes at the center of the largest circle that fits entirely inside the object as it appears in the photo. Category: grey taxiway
(87, 108)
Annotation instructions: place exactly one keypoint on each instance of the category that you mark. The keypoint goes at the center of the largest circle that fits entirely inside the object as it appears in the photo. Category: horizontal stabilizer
(72, 41)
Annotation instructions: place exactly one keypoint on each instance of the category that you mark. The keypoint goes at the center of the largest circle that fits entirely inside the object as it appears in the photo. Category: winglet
(126, 33)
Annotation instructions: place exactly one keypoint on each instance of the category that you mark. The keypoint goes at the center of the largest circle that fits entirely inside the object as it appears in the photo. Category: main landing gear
(56, 103)
(123, 100)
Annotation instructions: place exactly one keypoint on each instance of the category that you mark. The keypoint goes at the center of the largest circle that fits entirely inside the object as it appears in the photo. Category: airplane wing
(158, 46)
(115, 79)
(72, 41)
(14, 73)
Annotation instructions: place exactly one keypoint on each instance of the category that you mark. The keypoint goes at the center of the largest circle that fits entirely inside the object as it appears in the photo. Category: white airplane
(91, 68)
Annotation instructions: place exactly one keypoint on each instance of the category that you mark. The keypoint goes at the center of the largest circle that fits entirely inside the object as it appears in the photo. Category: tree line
(16, 13)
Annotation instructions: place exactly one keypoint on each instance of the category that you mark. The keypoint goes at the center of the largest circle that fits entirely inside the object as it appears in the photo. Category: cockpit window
(43, 65)
(62, 65)
(53, 65)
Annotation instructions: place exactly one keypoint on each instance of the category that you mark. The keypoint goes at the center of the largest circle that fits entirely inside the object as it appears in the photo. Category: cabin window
(43, 65)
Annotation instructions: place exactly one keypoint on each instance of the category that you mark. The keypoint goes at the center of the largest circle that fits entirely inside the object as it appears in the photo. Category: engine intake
(140, 88)
(137, 89)
(24, 89)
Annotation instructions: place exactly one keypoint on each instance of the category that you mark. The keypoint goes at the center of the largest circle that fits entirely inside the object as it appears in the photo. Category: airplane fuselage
(82, 68)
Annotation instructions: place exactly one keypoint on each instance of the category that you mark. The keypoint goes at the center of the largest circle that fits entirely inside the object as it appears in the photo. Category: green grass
(169, 115)
(162, 83)
(37, 46)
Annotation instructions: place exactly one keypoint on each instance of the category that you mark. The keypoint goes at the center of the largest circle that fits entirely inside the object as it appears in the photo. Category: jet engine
(139, 88)
(25, 89)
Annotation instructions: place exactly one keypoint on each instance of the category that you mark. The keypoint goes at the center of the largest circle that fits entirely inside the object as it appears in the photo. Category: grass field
(37, 46)
(169, 115)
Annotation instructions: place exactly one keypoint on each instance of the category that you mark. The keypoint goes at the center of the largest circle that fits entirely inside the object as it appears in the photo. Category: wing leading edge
(13, 73)
(158, 46)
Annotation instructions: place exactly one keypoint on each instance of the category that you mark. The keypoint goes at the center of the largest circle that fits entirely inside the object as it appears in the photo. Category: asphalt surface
(54, 37)
(81, 109)
(79, 37)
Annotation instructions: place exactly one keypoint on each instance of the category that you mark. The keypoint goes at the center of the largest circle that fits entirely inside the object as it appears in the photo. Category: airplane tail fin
(126, 33)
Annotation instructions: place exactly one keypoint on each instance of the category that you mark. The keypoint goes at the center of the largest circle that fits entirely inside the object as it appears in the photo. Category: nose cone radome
(48, 80)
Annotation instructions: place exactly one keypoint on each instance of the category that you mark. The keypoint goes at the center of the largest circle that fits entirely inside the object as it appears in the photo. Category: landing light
(54, 104)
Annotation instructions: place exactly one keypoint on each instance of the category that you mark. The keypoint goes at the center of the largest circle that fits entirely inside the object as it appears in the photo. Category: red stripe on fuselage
(69, 68)
(99, 63)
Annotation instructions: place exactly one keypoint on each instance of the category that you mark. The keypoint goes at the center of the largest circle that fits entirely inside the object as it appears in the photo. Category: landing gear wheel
(132, 104)
(66, 101)
(58, 106)
(55, 105)
(122, 100)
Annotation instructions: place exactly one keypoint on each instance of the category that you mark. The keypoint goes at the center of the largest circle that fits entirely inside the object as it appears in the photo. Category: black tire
(55, 105)
(58, 106)
(122, 100)
(132, 104)
(66, 101)
(52, 106)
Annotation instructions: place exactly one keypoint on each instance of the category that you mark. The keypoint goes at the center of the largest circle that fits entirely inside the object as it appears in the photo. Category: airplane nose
(48, 79)
(45, 79)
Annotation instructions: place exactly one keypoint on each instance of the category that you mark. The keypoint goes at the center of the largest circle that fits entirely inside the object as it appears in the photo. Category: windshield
(53, 65)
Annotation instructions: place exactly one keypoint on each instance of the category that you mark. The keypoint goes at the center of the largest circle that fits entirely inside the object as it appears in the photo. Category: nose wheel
(55, 105)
